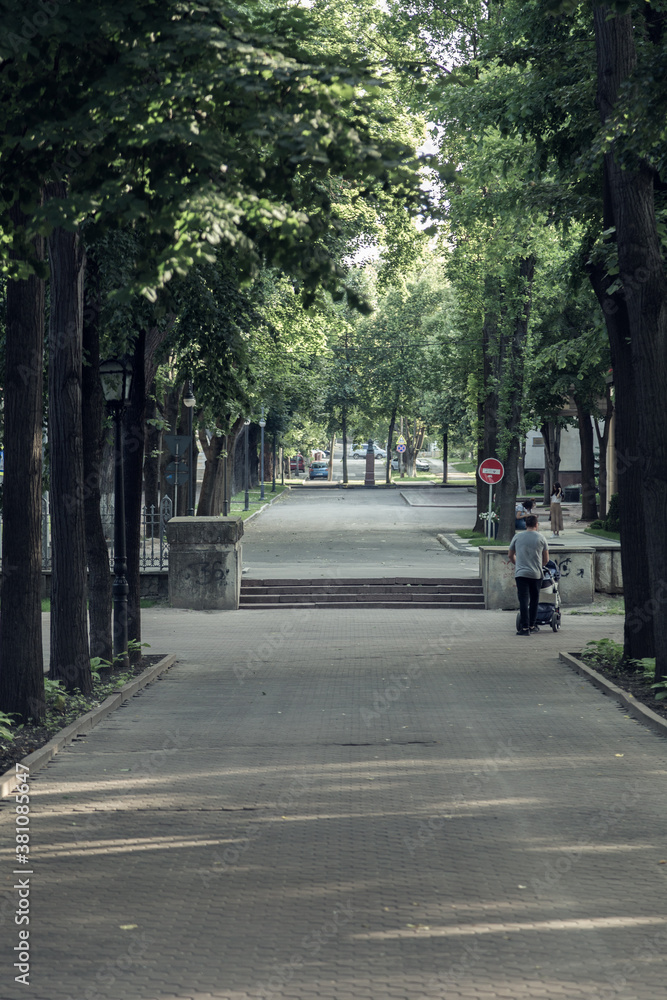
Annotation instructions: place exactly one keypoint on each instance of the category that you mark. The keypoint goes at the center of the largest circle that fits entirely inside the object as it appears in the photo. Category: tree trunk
(603, 442)
(551, 434)
(629, 202)
(390, 441)
(482, 490)
(344, 430)
(133, 459)
(520, 474)
(70, 662)
(331, 457)
(512, 378)
(445, 459)
(589, 507)
(21, 658)
(212, 449)
(638, 626)
(487, 408)
(94, 434)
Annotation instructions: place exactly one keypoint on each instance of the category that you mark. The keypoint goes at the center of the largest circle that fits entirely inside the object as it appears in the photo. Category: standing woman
(556, 511)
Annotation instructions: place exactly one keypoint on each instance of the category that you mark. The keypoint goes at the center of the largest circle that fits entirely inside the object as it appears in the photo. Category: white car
(361, 450)
(421, 465)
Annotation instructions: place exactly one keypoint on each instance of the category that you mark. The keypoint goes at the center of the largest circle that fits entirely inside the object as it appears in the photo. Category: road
(358, 533)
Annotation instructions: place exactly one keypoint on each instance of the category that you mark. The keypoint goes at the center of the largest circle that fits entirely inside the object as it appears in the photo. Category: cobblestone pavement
(326, 805)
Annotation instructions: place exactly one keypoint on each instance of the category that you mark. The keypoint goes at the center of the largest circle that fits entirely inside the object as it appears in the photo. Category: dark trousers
(529, 597)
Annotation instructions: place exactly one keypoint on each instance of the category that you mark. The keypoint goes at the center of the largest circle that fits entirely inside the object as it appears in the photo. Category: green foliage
(55, 694)
(603, 652)
(532, 478)
(204, 126)
(6, 726)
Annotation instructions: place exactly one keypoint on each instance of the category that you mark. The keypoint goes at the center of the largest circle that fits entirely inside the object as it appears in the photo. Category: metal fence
(154, 552)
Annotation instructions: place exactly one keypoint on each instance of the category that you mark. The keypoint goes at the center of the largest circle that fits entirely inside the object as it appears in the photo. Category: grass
(237, 502)
(476, 539)
(464, 466)
(601, 533)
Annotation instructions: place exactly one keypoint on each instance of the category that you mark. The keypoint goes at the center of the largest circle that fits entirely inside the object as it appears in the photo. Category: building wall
(570, 454)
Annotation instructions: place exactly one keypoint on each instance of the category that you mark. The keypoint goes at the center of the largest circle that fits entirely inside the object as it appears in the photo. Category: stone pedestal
(577, 576)
(205, 562)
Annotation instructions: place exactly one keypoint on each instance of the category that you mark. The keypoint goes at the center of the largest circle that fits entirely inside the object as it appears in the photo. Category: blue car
(318, 470)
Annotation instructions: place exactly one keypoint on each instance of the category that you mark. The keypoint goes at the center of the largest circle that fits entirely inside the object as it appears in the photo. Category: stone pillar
(370, 466)
(205, 562)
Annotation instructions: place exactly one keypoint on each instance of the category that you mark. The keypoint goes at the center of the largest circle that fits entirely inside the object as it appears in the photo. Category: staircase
(391, 592)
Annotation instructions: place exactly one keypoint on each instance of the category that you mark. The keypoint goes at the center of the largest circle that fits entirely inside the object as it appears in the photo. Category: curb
(36, 760)
(635, 708)
(453, 545)
(268, 504)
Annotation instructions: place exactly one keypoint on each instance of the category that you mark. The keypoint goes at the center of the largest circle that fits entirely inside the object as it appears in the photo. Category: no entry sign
(491, 471)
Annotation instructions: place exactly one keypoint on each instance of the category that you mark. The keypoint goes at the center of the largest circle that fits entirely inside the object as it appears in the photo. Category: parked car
(318, 470)
(421, 465)
(361, 450)
(292, 464)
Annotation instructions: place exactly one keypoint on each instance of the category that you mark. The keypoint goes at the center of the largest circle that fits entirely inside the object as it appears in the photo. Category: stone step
(415, 591)
(363, 605)
(444, 599)
(363, 582)
(383, 592)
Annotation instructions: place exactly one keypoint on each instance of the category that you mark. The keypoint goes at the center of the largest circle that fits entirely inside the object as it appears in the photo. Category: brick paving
(408, 805)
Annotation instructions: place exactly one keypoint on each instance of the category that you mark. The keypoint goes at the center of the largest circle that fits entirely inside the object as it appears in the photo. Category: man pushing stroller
(529, 552)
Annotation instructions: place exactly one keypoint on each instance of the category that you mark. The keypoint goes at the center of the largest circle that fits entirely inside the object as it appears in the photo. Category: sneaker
(524, 631)
(534, 628)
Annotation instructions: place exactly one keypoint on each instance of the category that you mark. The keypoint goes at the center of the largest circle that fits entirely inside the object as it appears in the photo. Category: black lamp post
(262, 424)
(273, 487)
(247, 495)
(189, 401)
(116, 378)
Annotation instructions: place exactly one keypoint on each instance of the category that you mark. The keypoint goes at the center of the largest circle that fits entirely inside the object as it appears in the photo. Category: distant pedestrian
(529, 552)
(520, 512)
(556, 510)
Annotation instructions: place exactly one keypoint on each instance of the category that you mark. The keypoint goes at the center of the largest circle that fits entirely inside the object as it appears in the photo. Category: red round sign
(491, 471)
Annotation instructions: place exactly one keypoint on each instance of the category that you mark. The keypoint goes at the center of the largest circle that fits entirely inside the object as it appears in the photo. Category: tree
(21, 663)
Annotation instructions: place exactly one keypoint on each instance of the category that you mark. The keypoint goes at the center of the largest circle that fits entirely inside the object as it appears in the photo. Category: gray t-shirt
(528, 546)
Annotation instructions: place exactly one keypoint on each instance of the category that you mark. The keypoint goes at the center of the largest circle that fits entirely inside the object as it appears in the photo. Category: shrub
(532, 478)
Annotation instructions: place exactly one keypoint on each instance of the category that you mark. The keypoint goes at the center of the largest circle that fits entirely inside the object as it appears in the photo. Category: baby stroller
(548, 610)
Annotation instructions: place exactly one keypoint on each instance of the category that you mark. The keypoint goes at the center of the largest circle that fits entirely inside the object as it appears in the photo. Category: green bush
(532, 478)
(612, 522)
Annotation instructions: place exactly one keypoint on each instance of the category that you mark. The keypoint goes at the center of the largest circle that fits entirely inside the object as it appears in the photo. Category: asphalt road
(356, 533)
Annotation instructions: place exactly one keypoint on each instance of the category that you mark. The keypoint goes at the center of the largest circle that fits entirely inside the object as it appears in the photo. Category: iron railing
(154, 553)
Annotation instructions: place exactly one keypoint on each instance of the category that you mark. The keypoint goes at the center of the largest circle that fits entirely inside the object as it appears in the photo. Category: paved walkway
(316, 804)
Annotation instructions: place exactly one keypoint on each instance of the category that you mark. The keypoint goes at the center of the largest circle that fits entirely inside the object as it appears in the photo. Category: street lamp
(189, 401)
(247, 495)
(116, 378)
(273, 487)
(262, 424)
